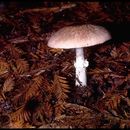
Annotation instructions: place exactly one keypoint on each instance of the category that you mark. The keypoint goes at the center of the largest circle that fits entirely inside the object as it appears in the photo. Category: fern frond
(31, 89)
(19, 99)
(8, 85)
(59, 108)
(39, 112)
(2, 96)
(20, 115)
(113, 102)
(34, 88)
(16, 124)
(61, 88)
(22, 66)
(4, 67)
(38, 80)
(14, 51)
(48, 111)
(56, 51)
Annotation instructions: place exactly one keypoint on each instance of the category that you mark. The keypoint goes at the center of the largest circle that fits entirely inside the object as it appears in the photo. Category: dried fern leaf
(22, 66)
(48, 111)
(48, 88)
(2, 96)
(18, 99)
(31, 89)
(4, 67)
(113, 102)
(34, 88)
(20, 115)
(16, 124)
(61, 88)
(8, 85)
(14, 51)
(38, 80)
(59, 108)
(39, 113)
(56, 51)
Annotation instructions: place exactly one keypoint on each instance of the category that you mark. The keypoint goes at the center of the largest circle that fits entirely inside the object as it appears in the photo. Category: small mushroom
(78, 37)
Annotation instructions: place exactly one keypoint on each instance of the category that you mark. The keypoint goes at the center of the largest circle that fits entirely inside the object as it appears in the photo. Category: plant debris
(37, 83)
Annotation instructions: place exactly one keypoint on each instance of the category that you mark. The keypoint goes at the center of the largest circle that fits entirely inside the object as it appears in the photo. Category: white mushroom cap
(79, 36)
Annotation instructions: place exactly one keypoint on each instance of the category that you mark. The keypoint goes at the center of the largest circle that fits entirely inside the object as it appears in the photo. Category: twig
(36, 72)
(48, 10)
(21, 39)
(106, 72)
(24, 39)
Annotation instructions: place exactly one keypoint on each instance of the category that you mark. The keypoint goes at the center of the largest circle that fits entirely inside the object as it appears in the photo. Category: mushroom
(78, 37)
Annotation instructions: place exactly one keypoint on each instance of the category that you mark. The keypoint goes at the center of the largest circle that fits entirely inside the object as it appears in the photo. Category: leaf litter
(37, 83)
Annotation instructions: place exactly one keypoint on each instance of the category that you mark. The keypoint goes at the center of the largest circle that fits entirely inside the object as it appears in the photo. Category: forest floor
(37, 83)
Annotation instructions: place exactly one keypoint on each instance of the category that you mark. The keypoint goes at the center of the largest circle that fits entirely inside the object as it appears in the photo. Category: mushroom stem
(80, 66)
